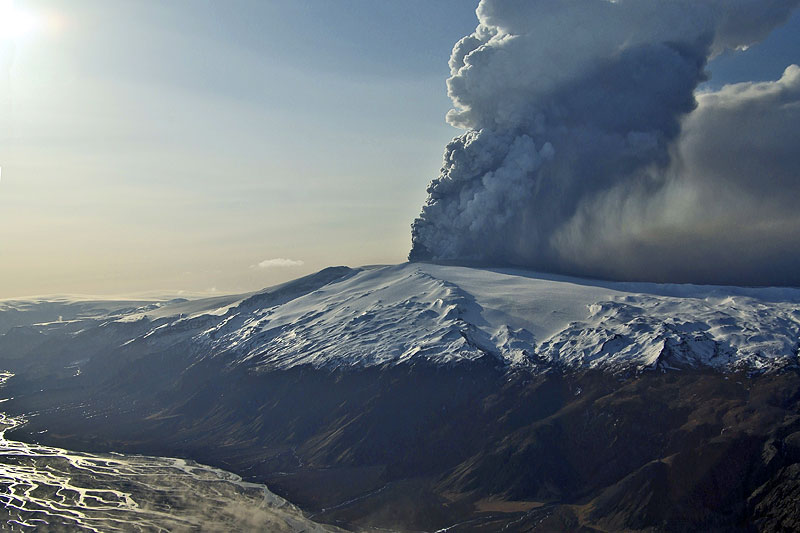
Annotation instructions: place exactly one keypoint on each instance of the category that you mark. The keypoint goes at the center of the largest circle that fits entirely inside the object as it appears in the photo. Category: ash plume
(589, 151)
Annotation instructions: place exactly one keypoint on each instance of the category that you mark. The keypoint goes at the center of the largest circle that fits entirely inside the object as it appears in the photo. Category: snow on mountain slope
(396, 314)
(443, 314)
(62, 309)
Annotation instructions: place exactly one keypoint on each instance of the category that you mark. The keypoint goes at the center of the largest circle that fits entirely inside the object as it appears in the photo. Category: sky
(193, 147)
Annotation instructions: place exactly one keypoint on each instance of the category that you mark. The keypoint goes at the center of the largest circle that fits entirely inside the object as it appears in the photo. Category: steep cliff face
(417, 397)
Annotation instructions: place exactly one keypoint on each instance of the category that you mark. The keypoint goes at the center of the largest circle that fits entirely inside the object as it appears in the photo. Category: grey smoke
(589, 152)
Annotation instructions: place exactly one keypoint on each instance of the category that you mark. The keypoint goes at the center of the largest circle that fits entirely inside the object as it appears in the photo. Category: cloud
(589, 152)
(278, 262)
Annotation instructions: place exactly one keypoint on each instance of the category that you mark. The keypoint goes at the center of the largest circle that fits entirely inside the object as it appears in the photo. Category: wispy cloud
(278, 262)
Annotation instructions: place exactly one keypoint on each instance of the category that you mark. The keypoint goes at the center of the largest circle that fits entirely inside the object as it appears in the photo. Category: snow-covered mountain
(443, 314)
(418, 397)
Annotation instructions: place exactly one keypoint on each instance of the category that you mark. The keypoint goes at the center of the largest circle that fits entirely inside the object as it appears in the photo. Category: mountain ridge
(342, 316)
(417, 397)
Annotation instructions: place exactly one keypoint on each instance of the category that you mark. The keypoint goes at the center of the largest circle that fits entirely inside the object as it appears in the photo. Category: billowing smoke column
(589, 152)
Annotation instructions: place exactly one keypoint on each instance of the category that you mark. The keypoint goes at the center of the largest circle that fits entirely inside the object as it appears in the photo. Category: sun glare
(15, 23)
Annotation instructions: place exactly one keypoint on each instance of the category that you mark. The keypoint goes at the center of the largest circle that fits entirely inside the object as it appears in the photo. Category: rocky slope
(418, 397)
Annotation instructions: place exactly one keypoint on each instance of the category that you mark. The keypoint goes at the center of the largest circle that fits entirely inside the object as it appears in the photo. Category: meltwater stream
(51, 489)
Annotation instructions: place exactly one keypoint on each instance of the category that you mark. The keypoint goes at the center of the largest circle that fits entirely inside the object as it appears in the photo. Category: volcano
(432, 397)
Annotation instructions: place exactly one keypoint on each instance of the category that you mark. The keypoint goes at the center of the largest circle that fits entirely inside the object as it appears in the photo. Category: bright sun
(15, 23)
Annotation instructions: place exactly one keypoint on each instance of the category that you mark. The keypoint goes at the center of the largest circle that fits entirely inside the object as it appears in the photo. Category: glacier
(345, 317)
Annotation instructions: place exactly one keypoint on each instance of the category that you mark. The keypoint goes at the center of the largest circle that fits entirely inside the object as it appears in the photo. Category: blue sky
(176, 145)
(765, 61)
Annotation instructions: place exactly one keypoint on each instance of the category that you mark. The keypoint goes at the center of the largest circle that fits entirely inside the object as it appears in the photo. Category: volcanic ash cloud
(589, 151)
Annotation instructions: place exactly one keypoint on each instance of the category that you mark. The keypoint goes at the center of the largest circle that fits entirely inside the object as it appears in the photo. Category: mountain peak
(343, 317)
